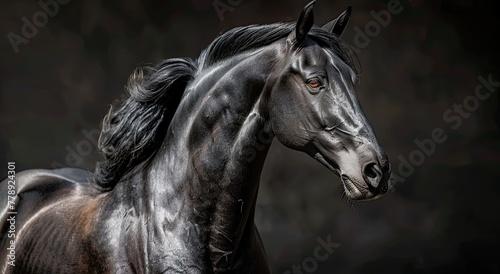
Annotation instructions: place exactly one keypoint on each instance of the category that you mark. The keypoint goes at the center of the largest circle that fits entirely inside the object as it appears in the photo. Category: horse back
(44, 203)
(38, 187)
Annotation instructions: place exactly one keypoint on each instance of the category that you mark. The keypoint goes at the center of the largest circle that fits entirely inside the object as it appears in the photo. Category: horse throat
(228, 143)
(204, 180)
(235, 193)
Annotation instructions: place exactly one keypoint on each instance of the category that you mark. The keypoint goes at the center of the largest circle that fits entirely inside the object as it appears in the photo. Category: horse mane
(133, 132)
(241, 39)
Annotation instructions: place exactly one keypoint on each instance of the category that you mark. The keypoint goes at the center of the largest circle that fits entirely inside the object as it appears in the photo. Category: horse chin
(354, 191)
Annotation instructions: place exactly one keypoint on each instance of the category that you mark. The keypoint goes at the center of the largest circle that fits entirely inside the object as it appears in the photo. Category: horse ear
(337, 25)
(304, 24)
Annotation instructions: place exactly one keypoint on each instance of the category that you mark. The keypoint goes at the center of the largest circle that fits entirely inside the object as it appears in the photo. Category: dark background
(442, 219)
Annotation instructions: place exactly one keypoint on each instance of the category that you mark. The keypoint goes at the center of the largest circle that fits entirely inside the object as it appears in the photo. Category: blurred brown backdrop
(442, 219)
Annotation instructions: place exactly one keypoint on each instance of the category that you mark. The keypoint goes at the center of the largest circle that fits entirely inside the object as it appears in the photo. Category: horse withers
(177, 188)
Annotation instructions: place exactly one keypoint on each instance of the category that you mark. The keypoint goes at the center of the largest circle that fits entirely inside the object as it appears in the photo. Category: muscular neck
(214, 158)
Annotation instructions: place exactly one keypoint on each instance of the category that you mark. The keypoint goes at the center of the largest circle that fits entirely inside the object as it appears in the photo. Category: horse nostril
(371, 171)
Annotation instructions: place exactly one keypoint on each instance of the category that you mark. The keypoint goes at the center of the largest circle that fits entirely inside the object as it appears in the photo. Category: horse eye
(315, 83)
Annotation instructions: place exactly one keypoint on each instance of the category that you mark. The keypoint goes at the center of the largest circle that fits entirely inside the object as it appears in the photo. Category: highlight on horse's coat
(177, 188)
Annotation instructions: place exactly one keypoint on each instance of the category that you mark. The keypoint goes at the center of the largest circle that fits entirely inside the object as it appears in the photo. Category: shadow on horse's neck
(208, 170)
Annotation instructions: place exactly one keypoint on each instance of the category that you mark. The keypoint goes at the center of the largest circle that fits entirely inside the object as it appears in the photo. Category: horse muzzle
(364, 171)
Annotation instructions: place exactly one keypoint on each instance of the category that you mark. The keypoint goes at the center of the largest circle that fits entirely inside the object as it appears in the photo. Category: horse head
(313, 108)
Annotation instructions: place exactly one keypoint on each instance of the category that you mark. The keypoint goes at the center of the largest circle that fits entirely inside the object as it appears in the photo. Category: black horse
(183, 154)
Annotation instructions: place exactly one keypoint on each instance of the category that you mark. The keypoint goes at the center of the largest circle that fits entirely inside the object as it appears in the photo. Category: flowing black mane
(134, 131)
(241, 39)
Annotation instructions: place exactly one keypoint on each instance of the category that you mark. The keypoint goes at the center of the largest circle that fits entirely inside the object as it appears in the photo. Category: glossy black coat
(189, 206)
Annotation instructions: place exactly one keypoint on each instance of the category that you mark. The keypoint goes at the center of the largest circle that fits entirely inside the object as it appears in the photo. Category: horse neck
(209, 167)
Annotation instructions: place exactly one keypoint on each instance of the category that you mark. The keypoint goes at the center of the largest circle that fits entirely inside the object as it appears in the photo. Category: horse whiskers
(353, 204)
(344, 196)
